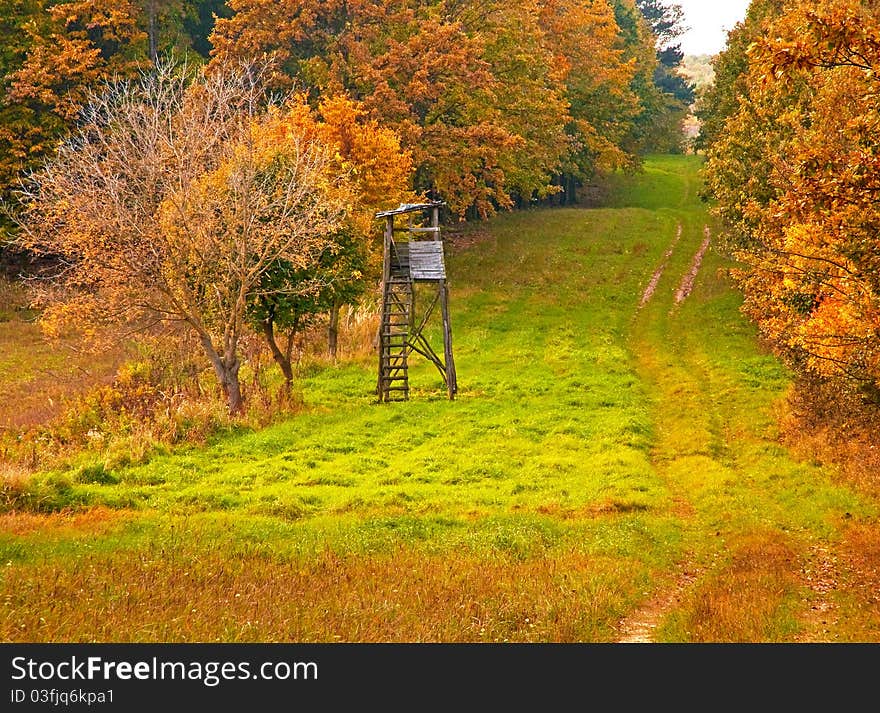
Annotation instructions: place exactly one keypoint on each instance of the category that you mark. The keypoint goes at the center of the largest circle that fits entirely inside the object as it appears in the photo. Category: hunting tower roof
(409, 208)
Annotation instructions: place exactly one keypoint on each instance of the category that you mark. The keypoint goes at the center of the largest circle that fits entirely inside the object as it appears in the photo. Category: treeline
(501, 103)
(791, 130)
(210, 171)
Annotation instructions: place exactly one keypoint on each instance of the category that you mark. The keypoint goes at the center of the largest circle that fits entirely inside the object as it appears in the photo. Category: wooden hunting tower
(413, 256)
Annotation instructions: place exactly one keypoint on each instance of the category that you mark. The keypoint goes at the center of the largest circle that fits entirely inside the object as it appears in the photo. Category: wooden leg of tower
(451, 381)
(379, 390)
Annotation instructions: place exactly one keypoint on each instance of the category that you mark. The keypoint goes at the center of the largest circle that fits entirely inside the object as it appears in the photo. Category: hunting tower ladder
(413, 255)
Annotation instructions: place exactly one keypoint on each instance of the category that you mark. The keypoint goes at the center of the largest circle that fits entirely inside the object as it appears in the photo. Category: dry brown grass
(822, 423)
(859, 555)
(199, 594)
(37, 376)
(740, 601)
(357, 330)
(95, 521)
(13, 483)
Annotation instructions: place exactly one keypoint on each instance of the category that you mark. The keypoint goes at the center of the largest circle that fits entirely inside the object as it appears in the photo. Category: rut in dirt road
(658, 273)
(687, 282)
(640, 626)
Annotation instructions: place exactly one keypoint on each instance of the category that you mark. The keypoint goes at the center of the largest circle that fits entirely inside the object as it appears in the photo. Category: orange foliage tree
(71, 47)
(493, 99)
(597, 77)
(796, 171)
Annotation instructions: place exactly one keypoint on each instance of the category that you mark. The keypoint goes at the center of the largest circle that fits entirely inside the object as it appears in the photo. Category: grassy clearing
(36, 377)
(595, 452)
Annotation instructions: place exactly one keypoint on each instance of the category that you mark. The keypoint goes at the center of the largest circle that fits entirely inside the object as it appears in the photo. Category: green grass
(590, 439)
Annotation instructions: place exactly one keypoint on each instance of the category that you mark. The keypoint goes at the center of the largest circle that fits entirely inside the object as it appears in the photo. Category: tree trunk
(571, 190)
(233, 390)
(333, 331)
(281, 358)
(152, 32)
(226, 370)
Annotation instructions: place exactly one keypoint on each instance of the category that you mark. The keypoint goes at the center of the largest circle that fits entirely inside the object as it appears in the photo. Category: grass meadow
(606, 460)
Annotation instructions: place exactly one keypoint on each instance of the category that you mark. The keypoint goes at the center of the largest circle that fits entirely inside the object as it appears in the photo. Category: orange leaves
(797, 177)
(491, 99)
(381, 167)
(83, 43)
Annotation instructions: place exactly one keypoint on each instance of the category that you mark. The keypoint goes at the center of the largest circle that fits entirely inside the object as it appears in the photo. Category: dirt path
(639, 627)
(820, 574)
(714, 446)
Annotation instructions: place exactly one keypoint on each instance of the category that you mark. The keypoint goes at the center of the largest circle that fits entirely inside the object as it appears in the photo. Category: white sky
(709, 21)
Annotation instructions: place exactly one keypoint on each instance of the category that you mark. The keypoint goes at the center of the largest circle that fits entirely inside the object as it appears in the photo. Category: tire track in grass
(639, 626)
(687, 282)
(658, 273)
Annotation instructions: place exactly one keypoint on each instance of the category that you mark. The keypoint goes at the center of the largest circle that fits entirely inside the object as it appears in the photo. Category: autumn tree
(414, 70)
(382, 175)
(169, 204)
(62, 51)
(795, 171)
(16, 17)
(527, 86)
(52, 54)
(15, 40)
(596, 77)
(291, 295)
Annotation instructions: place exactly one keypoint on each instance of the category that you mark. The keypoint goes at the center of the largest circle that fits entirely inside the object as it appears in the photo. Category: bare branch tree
(172, 200)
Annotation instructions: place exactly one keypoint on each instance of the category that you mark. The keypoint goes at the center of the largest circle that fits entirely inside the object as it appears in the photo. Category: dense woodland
(500, 103)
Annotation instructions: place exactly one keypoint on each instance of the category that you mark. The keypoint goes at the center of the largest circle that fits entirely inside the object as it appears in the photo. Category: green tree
(291, 298)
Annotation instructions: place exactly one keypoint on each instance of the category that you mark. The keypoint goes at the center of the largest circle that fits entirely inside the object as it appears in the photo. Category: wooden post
(389, 236)
(451, 381)
(451, 385)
